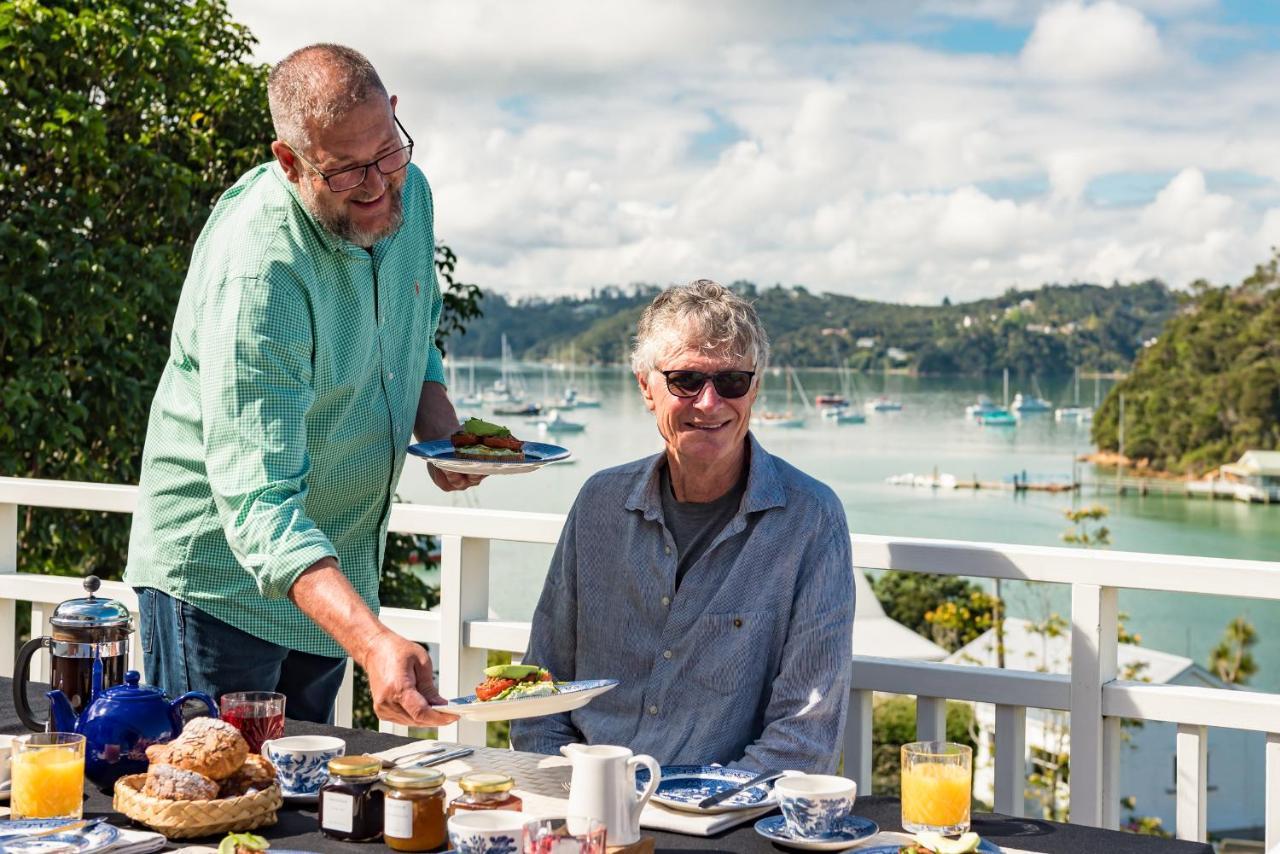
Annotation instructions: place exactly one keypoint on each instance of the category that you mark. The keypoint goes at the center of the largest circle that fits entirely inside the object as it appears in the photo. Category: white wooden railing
(1095, 698)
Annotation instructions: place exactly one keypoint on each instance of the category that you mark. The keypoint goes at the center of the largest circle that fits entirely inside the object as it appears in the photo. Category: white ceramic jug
(604, 788)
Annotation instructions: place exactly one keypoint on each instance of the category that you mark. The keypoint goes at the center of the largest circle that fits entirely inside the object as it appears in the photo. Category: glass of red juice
(259, 715)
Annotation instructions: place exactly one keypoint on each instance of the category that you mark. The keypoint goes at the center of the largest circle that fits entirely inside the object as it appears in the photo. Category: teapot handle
(21, 676)
(198, 696)
(655, 778)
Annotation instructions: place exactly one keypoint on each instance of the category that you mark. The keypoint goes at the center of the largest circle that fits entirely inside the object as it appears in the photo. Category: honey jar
(413, 809)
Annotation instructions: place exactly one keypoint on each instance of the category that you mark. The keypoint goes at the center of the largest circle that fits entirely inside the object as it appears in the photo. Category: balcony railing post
(1271, 813)
(8, 607)
(1193, 782)
(857, 739)
(931, 719)
(1095, 742)
(1011, 760)
(464, 596)
(344, 709)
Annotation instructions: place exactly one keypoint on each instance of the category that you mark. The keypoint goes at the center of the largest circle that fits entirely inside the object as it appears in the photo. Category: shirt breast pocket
(731, 649)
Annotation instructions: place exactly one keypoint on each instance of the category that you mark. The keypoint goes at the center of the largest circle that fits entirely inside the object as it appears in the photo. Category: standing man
(302, 358)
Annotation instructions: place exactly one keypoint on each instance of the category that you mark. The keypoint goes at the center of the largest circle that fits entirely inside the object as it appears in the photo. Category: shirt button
(390, 375)
(653, 710)
(666, 601)
(667, 549)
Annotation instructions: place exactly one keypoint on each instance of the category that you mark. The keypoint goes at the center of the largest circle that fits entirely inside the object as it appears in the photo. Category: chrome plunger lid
(90, 612)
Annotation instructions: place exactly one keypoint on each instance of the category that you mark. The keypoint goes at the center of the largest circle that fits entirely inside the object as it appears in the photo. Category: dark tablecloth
(297, 827)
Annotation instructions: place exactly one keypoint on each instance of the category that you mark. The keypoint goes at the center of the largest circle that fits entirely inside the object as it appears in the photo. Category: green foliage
(1143, 825)
(1231, 659)
(461, 300)
(1209, 388)
(893, 724)
(1086, 526)
(947, 610)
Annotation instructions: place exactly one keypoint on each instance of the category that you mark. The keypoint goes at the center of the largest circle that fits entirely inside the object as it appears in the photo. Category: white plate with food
(684, 787)
(481, 447)
(97, 836)
(515, 691)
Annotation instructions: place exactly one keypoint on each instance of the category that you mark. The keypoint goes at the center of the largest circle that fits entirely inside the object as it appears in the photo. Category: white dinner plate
(569, 696)
(97, 838)
(440, 454)
(683, 787)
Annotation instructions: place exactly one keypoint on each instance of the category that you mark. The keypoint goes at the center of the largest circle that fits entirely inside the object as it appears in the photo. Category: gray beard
(340, 225)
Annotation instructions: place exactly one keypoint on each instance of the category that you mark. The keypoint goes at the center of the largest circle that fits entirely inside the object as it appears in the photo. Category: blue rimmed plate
(852, 830)
(986, 846)
(440, 454)
(683, 787)
(97, 838)
(568, 696)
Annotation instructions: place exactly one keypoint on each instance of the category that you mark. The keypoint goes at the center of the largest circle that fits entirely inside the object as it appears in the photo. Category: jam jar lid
(486, 782)
(414, 778)
(90, 611)
(357, 765)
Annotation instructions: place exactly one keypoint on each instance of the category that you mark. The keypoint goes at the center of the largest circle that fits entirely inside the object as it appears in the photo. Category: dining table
(297, 827)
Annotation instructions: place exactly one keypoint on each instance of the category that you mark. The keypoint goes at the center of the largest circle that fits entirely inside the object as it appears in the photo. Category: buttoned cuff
(435, 367)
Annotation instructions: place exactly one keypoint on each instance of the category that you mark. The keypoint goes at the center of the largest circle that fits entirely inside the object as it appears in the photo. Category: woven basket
(189, 819)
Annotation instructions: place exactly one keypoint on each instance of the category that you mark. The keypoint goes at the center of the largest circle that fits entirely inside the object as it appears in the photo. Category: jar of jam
(413, 809)
(486, 790)
(351, 801)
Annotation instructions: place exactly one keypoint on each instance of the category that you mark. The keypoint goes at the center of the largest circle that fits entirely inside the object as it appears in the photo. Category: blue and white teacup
(815, 805)
(489, 832)
(302, 761)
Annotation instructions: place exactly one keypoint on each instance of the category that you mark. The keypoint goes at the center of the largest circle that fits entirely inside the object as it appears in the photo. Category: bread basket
(190, 819)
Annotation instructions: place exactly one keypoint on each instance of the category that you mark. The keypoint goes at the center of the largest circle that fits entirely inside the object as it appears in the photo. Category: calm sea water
(930, 433)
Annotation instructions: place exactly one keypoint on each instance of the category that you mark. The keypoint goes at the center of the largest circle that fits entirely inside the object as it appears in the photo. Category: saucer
(299, 797)
(852, 829)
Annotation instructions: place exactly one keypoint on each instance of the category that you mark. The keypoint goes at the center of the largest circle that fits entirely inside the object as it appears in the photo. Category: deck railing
(1096, 699)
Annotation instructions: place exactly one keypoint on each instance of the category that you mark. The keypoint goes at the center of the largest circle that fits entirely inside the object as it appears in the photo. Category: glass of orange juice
(937, 786)
(47, 776)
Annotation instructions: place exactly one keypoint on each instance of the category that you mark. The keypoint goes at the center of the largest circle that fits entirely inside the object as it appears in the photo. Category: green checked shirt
(279, 428)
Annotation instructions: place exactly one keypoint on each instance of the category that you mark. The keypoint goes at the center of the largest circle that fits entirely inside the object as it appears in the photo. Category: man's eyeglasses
(353, 176)
(728, 384)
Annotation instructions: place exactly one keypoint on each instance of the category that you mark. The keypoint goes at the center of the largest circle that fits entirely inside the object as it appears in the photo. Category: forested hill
(1046, 330)
(1209, 388)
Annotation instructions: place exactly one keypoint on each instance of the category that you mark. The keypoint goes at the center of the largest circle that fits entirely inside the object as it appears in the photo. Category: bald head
(318, 86)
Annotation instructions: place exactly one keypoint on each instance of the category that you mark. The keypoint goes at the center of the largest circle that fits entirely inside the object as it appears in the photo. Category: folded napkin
(657, 817)
(137, 842)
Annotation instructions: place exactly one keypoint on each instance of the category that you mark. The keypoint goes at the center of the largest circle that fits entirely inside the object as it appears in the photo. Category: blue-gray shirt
(747, 664)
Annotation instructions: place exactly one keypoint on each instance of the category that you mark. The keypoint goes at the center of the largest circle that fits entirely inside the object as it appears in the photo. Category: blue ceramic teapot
(121, 723)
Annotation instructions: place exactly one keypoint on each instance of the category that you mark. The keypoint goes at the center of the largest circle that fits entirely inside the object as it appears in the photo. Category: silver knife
(720, 797)
(402, 761)
(53, 831)
(436, 760)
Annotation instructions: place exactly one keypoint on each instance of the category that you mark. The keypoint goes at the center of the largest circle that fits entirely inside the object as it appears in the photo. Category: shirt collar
(764, 488)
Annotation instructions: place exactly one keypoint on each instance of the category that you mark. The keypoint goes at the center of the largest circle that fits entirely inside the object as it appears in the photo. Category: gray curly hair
(704, 314)
(319, 83)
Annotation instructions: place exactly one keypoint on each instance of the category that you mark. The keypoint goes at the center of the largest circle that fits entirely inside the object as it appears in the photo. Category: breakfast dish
(852, 829)
(567, 696)
(934, 843)
(478, 439)
(98, 837)
(510, 681)
(493, 454)
(683, 787)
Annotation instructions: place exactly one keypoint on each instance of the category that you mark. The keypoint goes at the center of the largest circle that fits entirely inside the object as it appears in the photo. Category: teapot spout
(62, 716)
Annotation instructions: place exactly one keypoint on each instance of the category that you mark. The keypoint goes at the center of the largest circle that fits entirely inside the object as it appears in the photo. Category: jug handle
(21, 676)
(198, 696)
(655, 778)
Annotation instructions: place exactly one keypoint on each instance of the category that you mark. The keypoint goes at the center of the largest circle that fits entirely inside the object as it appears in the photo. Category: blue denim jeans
(186, 649)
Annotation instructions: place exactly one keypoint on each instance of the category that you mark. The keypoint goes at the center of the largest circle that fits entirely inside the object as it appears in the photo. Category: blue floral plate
(853, 829)
(568, 696)
(440, 454)
(683, 787)
(984, 847)
(97, 838)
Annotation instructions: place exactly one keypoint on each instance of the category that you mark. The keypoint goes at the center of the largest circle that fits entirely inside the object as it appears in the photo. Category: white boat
(843, 415)
(1023, 404)
(997, 417)
(884, 404)
(984, 405)
(785, 419)
(1074, 414)
(557, 423)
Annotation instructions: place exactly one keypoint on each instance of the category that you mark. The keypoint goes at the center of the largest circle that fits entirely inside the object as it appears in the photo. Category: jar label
(337, 812)
(398, 818)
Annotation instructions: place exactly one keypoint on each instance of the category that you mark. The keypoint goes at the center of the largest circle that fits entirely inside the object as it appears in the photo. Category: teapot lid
(131, 690)
(90, 611)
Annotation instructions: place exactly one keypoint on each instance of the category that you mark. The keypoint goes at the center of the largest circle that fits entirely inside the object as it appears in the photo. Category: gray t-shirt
(696, 525)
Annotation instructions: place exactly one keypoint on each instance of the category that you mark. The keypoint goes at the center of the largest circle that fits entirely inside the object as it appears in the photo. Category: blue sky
(890, 149)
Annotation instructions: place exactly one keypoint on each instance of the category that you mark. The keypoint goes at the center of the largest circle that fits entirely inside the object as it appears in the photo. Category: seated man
(713, 579)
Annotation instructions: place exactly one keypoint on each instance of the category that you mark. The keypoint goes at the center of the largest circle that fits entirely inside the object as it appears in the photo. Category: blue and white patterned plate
(984, 847)
(568, 696)
(440, 454)
(852, 829)
(683, 787)
(97, 838)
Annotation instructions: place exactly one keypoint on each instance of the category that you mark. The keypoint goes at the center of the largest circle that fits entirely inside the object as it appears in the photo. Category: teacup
(489, 832)
(6, 750)
(815, 805)
(302, 761)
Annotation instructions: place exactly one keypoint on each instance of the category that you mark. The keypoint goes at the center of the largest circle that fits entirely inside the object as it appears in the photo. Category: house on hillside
(1147, 768)
(1256, 476)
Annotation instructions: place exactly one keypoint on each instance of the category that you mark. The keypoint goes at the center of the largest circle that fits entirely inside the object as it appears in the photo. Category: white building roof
(1256, 463)
(875, 634)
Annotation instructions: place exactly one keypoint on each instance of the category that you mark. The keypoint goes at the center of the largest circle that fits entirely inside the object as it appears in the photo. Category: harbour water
(930, 434)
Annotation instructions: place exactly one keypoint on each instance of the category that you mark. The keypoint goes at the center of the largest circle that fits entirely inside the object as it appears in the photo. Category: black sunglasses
(728, 384)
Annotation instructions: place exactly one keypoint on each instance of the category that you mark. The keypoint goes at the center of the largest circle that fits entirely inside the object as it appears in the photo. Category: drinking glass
(571, 835)
(937, 786)
(47, 776)
(259, 715)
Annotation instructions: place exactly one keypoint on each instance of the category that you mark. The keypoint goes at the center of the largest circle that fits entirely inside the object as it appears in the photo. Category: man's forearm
(325, 595)
(436, 417)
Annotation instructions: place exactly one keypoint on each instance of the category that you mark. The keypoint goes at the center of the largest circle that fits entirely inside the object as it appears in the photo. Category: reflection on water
(930, 433)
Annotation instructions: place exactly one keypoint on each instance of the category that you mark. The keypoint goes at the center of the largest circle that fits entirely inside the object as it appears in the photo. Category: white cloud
(1185, 209)
(1100, 41)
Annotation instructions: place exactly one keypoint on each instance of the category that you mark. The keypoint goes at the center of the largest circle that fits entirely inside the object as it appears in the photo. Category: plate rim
(483, 708)
(111, 832)
(704, 771)
(813, 843)
(424, 450)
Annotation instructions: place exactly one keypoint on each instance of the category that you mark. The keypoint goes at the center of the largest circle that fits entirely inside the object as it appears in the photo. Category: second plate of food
(440, 453)
(568, 696)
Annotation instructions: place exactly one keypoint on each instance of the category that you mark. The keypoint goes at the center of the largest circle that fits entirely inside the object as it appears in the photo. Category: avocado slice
(511, 671)
(480, 427)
